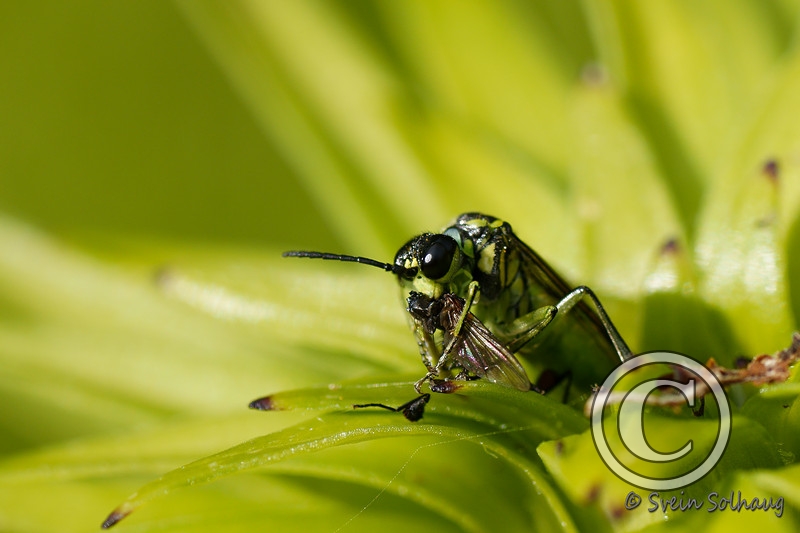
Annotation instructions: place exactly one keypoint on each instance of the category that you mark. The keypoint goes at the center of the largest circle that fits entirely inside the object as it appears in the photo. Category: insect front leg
(428, 345)
(473, 292)
(428, 351)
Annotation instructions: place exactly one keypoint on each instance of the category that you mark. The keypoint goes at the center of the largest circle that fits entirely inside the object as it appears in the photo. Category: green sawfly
(478, 297)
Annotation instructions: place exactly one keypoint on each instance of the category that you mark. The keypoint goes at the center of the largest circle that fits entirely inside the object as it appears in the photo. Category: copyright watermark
(630, 439)
(714, 502)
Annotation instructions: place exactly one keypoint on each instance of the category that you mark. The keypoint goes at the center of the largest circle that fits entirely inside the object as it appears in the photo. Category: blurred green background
(199, 139)
(116, 119)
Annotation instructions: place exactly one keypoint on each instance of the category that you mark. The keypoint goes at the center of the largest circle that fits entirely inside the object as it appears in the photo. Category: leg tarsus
(427, 377)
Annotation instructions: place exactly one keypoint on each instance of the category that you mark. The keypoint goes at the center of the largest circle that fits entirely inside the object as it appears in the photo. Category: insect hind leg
(577, 294)
(526, 327)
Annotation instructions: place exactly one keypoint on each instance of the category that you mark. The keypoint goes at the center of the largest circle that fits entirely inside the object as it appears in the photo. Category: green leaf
(647, 151)
(476, 415)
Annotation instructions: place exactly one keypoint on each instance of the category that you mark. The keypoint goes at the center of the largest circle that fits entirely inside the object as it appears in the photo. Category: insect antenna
(388, 267)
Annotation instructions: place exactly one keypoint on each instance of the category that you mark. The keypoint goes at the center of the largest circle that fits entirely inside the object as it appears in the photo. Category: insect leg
(412, 410)
(428, 351)
(526, 327)
(569, 301)
(427, 346)
(472, 293)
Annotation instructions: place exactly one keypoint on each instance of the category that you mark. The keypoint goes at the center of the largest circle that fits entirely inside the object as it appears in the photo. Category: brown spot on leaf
(766, 221)
(115, 516)
(593, 493)
(264, 404)
(163, 275)
(594, 74)
(771, 169)
(670, 247)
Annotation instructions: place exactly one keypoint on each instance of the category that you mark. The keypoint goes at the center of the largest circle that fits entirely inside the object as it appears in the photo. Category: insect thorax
(496, 267)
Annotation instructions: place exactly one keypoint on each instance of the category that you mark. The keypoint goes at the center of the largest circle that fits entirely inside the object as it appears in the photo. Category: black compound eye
(438, 257)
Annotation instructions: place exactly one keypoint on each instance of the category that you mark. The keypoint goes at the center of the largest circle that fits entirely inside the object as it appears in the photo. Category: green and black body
(515, 287)
(478, 297)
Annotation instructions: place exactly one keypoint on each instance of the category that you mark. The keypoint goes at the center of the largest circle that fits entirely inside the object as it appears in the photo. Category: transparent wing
(539, 276)
(546, 287)
(478, 351)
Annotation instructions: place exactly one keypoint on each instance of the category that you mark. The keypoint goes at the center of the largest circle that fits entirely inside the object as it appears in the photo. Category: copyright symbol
(630, 416)
(632, 501)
